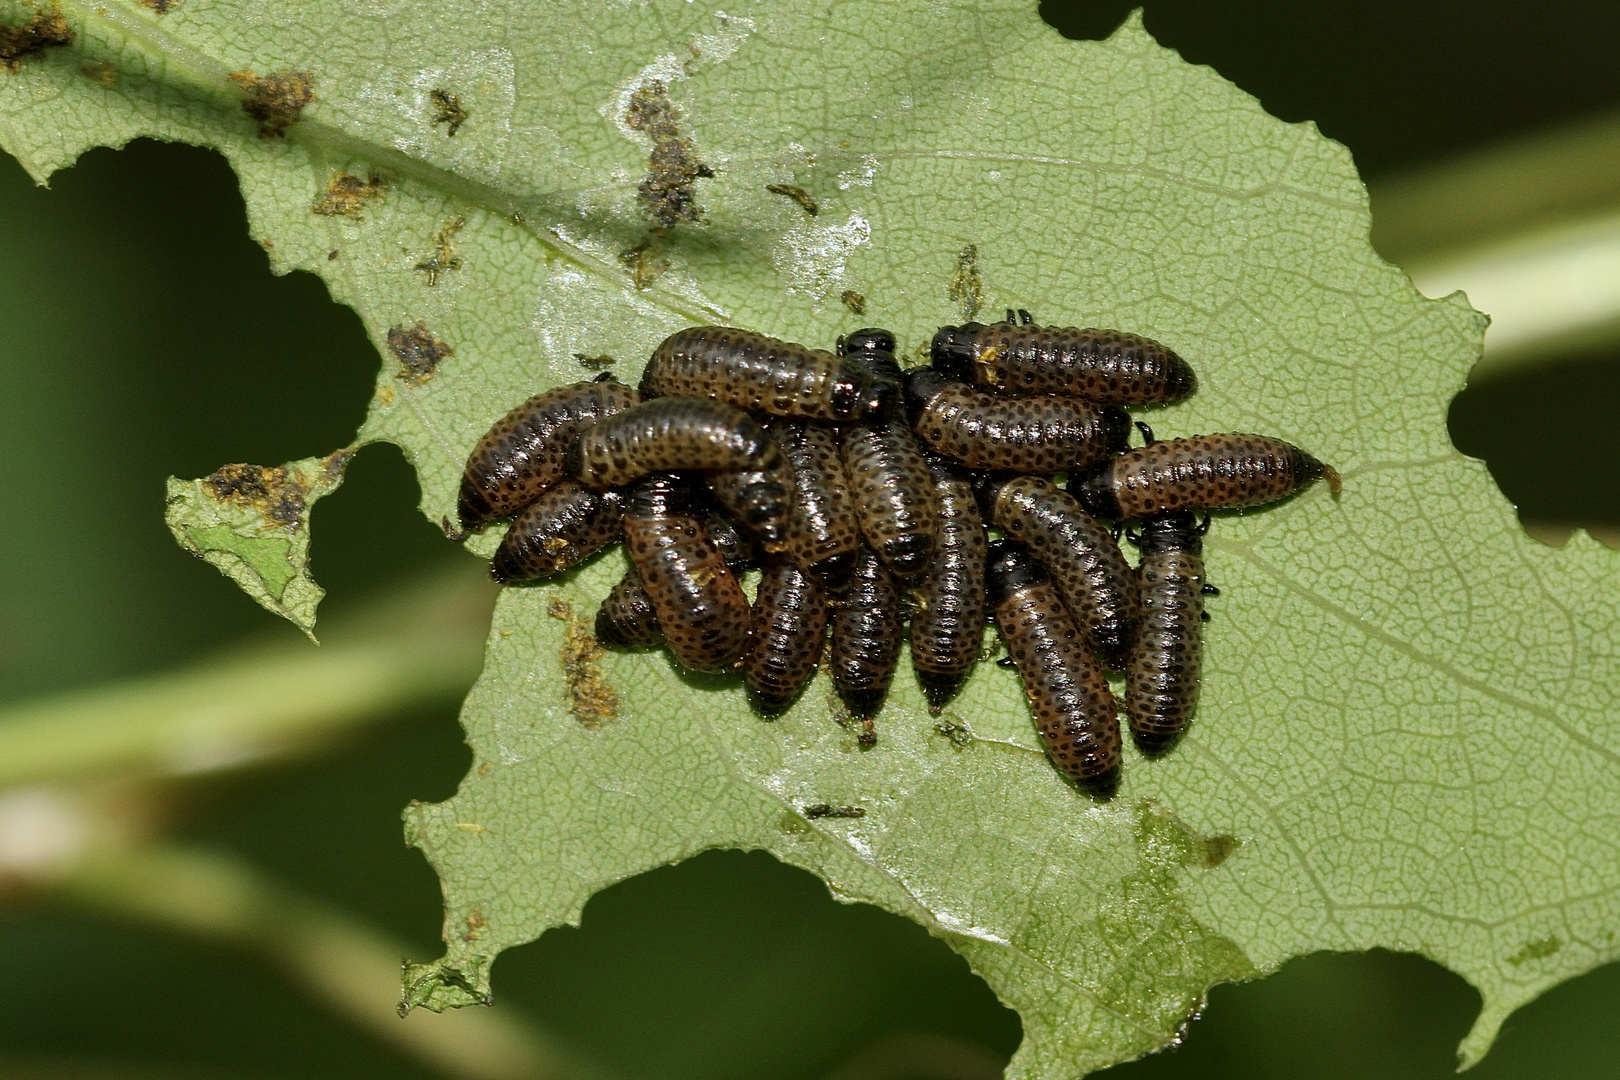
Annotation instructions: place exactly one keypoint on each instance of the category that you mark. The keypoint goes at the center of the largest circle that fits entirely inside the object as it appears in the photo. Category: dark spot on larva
(275, 493)
(826, 810)
(959, 733)
(276, 102)
(447, 109)
(162, 7)
(46, 30)
(346, 195)
(797, 194)
(418, 352)
(854, 301)
(644, 262)
(966, 288)
(595, 363)
(475, 925)
(591, 699)
(444, 257)
(100, 74)
(667, 193)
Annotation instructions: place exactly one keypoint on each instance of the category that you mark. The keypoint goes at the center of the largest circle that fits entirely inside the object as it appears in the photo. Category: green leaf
(1405, 737)
(252, 524)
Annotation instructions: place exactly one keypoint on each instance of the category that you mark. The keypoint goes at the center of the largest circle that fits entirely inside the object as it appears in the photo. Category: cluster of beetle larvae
(864, 492)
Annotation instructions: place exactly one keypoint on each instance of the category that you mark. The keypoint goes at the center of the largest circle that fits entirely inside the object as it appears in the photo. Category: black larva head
(835, 571)
(869, 340)
(954, 350)
(921, 385)
(1117, 428)
(909, 554)
(1094, 488)
(986, 489)
(1009, 567)
(763, 509)
(873, 350)
(736, 549)
(943, 468)
(858, 393)
(1175, 531)
(1112, 645)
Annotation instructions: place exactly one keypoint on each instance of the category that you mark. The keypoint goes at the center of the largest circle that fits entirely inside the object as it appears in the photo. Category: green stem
(337, 959)
(1530, 230)
(423, 645)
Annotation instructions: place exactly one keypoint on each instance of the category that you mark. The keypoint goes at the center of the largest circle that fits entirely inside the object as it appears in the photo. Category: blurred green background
(144, 336)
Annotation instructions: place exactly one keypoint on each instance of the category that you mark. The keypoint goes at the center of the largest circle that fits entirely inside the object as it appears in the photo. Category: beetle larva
(626, 619)
(753, 371)
(985, 430)
(761, 500)
(1082, 558)
(1074, 709)
(522, 455)
(865, 636)
(888, 477)
(670, 434)
(822, 536)
(701, 608)
(1161, 681)
(947, 621)
(1205, 472)
(1098, 365)
(789, 625)
(561, 529)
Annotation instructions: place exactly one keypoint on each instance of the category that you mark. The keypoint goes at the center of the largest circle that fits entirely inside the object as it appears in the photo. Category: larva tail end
(607, 635)
(1179, 378)
(768, 706)
(472, 507)
(1331, 475)
(1100, 786)
(1154, 744)
(938, 689)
